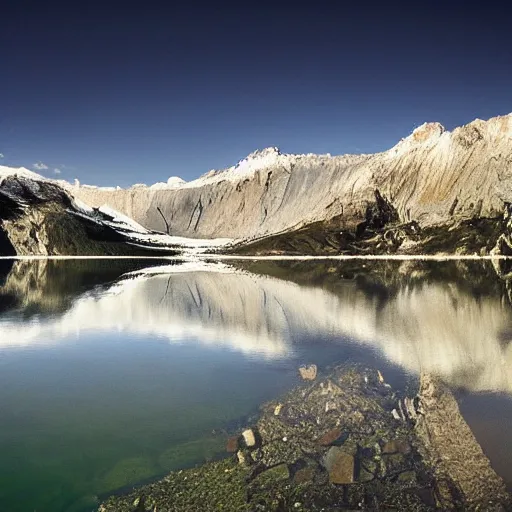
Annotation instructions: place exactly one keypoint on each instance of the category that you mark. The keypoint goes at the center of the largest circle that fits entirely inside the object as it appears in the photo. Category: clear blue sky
(141, 91)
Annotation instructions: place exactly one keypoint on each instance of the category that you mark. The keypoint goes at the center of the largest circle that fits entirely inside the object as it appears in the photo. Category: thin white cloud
(39, 166)
(57, 171)
(1, 155)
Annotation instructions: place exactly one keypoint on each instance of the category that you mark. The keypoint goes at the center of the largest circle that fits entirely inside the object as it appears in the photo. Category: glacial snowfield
(432, 176)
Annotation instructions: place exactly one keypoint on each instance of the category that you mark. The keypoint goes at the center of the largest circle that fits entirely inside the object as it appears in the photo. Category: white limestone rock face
(432, 176)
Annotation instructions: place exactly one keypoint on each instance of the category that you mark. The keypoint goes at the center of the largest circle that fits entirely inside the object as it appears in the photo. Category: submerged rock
(330, 437)
(340, 466)
(232, 444)
(308, 372)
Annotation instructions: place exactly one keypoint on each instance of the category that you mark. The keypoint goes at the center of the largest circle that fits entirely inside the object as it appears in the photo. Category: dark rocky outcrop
(38, 217)
(467, 480)
(330, 238)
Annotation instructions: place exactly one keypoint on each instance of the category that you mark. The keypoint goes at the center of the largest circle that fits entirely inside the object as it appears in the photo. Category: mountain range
(435, 191)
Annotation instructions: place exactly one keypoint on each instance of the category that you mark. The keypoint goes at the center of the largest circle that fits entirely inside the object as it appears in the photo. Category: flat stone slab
(340, 466)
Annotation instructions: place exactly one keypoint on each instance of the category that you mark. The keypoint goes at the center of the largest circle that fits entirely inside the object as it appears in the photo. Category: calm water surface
(110, 377)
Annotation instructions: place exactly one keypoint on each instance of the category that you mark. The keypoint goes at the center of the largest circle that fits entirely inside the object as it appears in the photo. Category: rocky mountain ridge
(432, 177)
(39, 217)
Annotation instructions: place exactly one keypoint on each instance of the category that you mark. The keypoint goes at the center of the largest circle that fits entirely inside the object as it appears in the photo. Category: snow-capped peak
(270, 152)
(21, 172)
(259, 159)
(172, 182)
(175, 181)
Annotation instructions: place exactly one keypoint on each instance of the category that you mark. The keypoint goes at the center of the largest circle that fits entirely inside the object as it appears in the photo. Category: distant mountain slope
(433, 176)
(39, 217)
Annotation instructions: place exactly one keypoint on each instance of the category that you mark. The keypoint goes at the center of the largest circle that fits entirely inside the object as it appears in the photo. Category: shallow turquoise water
(108, 381)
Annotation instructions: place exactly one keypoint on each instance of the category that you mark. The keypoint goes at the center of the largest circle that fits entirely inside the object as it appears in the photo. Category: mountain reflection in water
(115, 371)
(450, 318)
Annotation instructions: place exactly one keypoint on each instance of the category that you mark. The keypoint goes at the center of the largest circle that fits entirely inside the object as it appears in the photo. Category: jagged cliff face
(433, 176)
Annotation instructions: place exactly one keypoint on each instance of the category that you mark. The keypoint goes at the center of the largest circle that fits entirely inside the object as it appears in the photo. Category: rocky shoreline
(343, 440)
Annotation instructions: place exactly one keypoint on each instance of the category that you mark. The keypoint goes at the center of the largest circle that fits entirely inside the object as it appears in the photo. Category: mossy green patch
(216, 486)
(129, 472)
(190, 453)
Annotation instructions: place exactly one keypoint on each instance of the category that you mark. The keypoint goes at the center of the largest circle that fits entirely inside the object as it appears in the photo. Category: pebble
(241, 458)
(249, 437)
(329, 437)
(396, 446)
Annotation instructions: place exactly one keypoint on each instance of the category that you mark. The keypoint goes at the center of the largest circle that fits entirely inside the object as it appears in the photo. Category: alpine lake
(115, 372)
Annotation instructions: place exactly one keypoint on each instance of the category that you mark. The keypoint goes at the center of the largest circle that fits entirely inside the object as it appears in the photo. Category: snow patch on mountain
(22, 172)
(172, 182)
(259, 160)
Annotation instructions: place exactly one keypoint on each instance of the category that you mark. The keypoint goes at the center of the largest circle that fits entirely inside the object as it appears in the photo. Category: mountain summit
(432, 176)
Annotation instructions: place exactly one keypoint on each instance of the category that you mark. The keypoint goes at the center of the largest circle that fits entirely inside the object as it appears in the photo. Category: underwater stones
(396, 446)
(330, 437)
(378, 470)
(340, 466)
(308, 372)
(232, 444)
(196, 451)
(249, 438)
